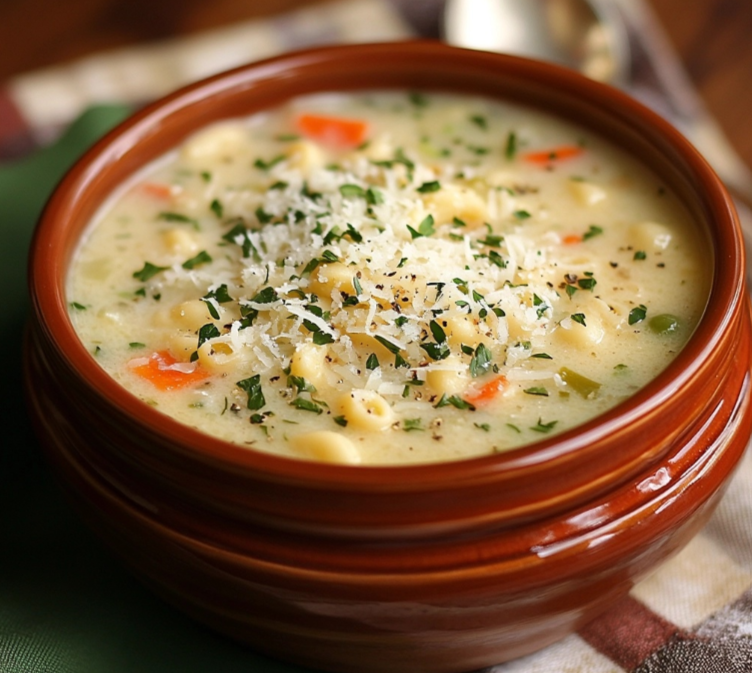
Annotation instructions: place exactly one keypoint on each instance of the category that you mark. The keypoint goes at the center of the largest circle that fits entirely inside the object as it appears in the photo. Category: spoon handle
(658, 79)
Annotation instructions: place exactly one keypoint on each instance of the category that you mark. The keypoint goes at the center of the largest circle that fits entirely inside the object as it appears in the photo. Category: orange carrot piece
(157, 190)
(553, 154)
(335, 131)
(487, 392)
(160, 370)
(571, 239)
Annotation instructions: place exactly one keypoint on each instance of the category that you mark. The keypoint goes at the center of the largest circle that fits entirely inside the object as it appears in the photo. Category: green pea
(665, 323)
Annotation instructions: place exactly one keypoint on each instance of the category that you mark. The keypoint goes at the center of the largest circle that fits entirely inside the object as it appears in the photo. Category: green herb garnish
(637, 314)
(202, 257)
(428, 187)
(425, 228)
(412, 424)
(148, 271)
(510, 149)
(594, 230)
(481, 361)
(455, 401)
(544, 427)
(252, 386)
(306, 405)
(168, 216)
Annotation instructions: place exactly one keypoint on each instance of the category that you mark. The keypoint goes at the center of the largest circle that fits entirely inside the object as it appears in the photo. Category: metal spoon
(585, 35)
(617, 42)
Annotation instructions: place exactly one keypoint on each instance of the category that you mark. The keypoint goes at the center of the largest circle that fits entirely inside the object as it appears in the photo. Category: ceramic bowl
(444, 567)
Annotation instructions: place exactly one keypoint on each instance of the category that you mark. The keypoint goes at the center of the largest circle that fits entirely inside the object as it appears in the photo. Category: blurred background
(712, 38)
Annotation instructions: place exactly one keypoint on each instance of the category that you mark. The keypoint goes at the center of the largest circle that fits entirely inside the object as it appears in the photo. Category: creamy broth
(389, 278)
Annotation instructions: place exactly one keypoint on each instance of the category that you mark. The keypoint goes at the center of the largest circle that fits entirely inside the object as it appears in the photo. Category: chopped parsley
(168, 216)
(412, 424)
(510, 148)
(148, 271)
(418, 99)
(637, 314)
(265, 165)
(425, 228)
(391, 347)
(540, 426)
(455, 401)
(307, 405)
(594, 230)
(220, 295)
(352, 190)
(428, 187)
(480, 121)
(252, 386)
(241, 235)
(202, 257)
(588, 282)
(481, 361)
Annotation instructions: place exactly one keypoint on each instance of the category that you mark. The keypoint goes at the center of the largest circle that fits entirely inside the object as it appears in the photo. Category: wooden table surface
(711, 36)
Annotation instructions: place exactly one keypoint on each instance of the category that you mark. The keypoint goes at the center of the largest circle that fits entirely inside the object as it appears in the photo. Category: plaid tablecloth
(66, 606)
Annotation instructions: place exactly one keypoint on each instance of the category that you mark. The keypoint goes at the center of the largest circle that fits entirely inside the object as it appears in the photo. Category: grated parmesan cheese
(425, 275)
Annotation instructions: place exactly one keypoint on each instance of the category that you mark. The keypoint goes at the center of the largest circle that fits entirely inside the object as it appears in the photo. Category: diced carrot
(571, 239)
(167, 373)
(487, 392)
(335, 131)
(553, 154)
(157, 190)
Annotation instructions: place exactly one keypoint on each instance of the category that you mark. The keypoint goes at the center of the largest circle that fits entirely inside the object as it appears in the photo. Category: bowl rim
(48, 268)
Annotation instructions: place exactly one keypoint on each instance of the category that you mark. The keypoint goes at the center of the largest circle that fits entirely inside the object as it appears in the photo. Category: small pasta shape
(586, 193)
(326, 446)
(650, 236)
(191, 315)
(515, 327)
(366, 410)
(309, 362)
(220, 357)
(462, 330)
(365, 343)
(380, 148)
(461, 202)
(180, 241)
(306, 156)
(450, 379)
(97, 269)
(182, 345)
(215, 142)
(576, 334)
(332, 278)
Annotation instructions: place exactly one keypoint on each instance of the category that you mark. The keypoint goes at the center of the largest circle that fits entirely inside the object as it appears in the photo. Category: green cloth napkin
(66, 605)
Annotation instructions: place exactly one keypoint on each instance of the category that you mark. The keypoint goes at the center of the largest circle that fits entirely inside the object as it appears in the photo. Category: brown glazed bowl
(444, 567)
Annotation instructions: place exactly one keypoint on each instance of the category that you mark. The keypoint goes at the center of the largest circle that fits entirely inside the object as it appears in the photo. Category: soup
(389, 278)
